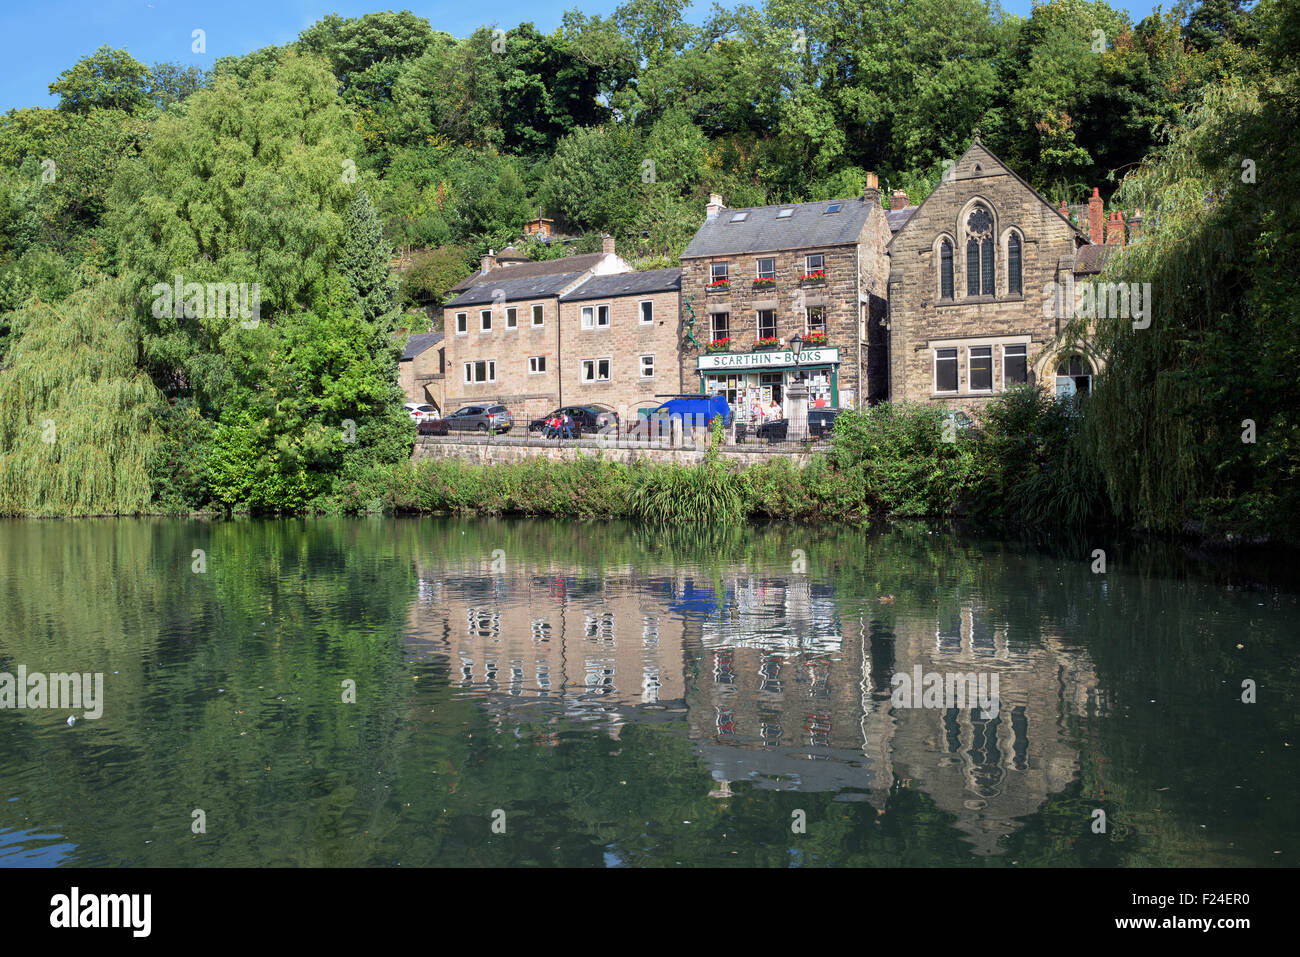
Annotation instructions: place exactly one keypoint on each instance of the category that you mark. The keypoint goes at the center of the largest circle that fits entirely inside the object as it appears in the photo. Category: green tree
(107, 79)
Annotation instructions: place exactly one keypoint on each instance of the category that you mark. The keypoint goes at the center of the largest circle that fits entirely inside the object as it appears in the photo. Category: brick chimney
(1115, 229)
(715, 206)
(489, 261)
(607, 245)
(871, 191)
(1095, 213)
(898, 200)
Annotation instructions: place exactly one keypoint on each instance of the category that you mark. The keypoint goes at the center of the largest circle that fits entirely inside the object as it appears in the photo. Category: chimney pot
(715, 206)
(898, 200)
(607, 244)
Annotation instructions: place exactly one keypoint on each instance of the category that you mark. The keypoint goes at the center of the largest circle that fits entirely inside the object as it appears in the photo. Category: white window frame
(512, 317)
(491, 369)
(539, 308)
(758, 323)
(807, 320)
(536, 365)
(594, 366)
(1002, 369)
(641, 311)
(587, 319)
(484, 320)
(713, 271)
(969, 380)
(808, 266)
(462, 319)
(758, 267)
(651, 374)
(934, 378)
(605, 310)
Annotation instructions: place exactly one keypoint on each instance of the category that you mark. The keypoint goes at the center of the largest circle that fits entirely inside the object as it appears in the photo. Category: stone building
(974, 276)
(753, 278)
(621, 341)
(503, 336)
(422, 368)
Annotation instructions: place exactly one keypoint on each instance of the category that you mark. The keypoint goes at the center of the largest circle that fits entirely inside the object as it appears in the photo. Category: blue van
(695, 412)
(689, 407)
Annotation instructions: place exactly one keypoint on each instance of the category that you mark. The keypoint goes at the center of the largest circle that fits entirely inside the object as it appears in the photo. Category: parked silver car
(480, 418)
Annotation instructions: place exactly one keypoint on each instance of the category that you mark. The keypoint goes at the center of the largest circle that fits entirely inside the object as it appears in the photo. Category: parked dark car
(471, 418)
(820, 423)
(587, 418)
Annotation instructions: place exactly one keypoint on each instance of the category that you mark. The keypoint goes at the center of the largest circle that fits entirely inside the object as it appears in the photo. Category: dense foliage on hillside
(132, 213)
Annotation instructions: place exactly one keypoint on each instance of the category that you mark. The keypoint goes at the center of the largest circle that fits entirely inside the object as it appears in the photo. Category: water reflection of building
(782, 683)
(592, 648)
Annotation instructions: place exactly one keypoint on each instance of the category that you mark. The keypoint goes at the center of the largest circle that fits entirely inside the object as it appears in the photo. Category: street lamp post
(796, 397)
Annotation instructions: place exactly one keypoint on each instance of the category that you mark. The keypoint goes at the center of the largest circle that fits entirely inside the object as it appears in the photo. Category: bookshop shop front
(748, 379)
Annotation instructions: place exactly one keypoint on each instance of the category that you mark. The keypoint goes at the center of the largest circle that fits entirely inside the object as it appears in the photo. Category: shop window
(945, 370)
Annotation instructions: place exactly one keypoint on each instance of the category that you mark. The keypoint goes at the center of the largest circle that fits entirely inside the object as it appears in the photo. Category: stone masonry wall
(918, 318)
(624, 341)
(789, 299)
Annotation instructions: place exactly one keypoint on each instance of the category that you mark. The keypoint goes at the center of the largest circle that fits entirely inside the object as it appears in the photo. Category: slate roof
(421, 342)
(1091, 258)
(808, 226)
(530, 270)
(897, 218)
(515, 287)
(626, 284)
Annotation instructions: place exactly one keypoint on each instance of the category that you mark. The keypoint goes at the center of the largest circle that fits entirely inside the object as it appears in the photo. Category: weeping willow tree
(77, 416)
(1196, 422)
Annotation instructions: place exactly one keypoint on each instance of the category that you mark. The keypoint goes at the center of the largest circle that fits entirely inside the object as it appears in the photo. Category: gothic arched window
(945, 270)
(979, 252)
(1014, 287)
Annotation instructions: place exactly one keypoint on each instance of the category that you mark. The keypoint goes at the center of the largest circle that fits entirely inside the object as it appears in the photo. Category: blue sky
(40, 40)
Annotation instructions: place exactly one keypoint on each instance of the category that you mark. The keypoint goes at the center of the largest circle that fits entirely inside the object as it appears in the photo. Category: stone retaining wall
(487, 451)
